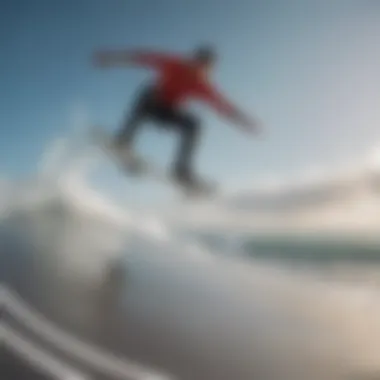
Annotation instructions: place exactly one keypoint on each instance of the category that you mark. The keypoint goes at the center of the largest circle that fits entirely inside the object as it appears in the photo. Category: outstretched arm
(215, 99)
(111, 58)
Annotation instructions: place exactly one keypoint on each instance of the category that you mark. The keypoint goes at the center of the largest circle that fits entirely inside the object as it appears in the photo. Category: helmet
(205, 53)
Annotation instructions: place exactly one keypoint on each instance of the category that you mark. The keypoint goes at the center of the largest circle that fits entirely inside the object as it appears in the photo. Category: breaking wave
(184, 306)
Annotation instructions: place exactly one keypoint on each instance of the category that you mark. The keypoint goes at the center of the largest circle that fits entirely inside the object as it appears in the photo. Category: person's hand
(254, 127)
(250, 126)
(102, 59)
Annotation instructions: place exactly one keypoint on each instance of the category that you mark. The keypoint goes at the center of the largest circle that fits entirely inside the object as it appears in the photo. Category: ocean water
(321, 250)
(269, 307)
(275, 308)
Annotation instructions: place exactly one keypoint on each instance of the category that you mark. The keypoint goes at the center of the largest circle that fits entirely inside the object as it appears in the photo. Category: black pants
(149, 108)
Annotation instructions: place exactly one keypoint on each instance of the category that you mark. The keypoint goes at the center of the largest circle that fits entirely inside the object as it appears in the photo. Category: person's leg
(188, 127)
(140, 111)
(125, 136)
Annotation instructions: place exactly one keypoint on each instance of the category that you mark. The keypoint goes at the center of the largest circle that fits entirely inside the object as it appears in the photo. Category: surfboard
(136, 166)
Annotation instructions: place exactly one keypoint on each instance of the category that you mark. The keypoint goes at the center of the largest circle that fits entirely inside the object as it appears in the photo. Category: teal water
(301, 248)
(314, 250)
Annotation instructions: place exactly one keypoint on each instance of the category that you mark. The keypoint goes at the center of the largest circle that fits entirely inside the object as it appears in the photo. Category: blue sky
(308, 69)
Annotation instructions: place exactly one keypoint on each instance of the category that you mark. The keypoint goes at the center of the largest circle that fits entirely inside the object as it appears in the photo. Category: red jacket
(178, 81)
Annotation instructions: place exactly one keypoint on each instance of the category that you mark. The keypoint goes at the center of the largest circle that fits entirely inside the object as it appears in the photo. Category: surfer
(179, 78)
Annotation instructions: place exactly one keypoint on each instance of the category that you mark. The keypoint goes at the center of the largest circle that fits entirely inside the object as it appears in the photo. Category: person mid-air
(179, 78)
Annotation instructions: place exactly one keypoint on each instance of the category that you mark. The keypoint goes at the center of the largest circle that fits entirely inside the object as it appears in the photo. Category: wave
(185, 307)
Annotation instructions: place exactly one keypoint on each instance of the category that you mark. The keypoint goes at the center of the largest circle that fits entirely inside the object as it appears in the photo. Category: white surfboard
(134, 165)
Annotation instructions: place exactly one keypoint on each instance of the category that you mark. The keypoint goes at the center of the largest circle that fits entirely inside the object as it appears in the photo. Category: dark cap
(205, 53)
